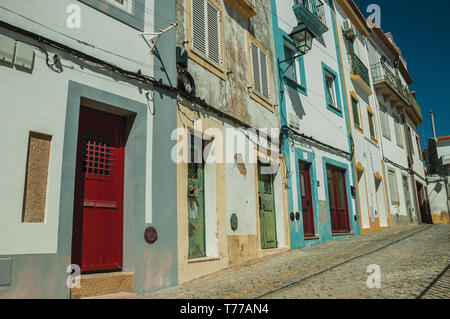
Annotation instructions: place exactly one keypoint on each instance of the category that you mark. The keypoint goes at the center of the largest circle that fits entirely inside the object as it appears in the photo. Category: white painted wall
(22, 111)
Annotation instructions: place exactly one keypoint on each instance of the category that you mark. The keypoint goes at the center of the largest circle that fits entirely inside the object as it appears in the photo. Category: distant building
(437, 156)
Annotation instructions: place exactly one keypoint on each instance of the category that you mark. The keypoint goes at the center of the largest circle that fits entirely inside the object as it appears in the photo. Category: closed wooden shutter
(198, 25)
(398, 133)
(260, 71)
(206, 30)
(213, 34)
(393, 187)
(255, 68)
(385, 124)
(264, 74)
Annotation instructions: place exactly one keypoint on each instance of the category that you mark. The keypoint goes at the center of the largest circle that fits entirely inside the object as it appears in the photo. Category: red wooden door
(337, 194)
(306, 196)
(98, 206)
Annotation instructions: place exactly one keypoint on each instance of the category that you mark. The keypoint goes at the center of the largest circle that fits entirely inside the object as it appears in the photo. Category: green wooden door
(196, 208)
(266, 210)
(407, 197)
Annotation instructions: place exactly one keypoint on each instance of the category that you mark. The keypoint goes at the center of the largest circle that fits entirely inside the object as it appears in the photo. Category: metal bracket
(154, 37)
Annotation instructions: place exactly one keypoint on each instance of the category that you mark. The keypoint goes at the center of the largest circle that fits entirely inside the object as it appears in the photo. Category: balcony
(312, 14)
(414, 111)
(389, 86)
(245, 8)
(359, 74)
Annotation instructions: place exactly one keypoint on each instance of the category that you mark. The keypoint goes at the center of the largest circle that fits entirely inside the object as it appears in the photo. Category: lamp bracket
(290, 60)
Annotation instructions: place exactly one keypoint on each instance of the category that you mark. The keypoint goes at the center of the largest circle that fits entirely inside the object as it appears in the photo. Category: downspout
(347, 117)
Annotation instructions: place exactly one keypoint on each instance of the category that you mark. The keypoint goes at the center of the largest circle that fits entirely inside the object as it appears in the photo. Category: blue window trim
(338, 109)
(299, 86)
(136, 19)
(310, 158)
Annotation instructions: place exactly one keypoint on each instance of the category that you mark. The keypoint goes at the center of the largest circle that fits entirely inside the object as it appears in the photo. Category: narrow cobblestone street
(413, 261)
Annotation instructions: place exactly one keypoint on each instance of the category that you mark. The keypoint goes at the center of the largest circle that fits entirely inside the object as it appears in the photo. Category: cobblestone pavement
(413, 261)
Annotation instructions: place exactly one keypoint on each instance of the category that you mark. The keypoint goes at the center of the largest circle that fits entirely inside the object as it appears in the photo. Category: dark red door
(98, 205)
(337, 194)
(305, 193)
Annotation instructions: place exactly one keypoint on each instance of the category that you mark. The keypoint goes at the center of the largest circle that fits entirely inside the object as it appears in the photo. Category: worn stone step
(93, 285)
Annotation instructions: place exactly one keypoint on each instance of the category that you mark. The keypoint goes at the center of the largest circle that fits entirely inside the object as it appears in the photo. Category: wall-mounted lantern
(303, 38)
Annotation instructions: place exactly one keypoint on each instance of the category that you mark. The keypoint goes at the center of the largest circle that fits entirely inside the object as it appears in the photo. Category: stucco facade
(46, 99)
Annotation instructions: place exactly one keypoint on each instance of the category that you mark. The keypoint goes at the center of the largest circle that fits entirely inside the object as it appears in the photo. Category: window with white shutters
(206, 37)
(260, 71)
(398, 132)
(393, 187)
(385, 123)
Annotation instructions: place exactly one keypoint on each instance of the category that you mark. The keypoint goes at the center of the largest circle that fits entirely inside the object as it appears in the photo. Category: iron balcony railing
(380, 72)
(359, 68)
(316, 7)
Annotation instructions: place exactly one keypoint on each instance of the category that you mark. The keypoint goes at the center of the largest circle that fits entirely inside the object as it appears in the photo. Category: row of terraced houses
(114, 114)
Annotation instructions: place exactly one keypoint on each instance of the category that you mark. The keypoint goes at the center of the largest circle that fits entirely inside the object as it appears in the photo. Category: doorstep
(343, 234)
(103, 284)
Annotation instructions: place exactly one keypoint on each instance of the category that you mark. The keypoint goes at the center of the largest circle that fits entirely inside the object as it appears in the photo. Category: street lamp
(302, 37)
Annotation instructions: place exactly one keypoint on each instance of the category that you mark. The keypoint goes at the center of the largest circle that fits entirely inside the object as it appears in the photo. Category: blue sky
(421, 30)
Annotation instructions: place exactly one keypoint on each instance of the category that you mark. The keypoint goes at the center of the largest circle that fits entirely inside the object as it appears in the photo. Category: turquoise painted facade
(296, 148)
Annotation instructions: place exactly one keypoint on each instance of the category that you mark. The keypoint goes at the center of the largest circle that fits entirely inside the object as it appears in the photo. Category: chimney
(432, 124)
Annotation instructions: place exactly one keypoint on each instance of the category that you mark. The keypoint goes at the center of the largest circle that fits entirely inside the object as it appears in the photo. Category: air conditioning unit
(348, 29)
(294, 121)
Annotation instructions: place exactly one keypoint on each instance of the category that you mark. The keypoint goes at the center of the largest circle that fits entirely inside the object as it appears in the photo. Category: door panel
(306, 198)
(98, 207)
(338, 200)
(196, 203)
(266, 209)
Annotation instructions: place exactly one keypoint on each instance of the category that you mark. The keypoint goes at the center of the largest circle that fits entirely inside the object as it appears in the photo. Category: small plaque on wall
(5, 271)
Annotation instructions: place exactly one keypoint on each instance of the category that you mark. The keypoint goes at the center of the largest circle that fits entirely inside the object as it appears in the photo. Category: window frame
(200, 57)
(133, 14)
(393, 173)
(398, 132)
(384, 113)
(299, 83)
(370, 114)
(254, 94)
(354, 97)
(327, 71)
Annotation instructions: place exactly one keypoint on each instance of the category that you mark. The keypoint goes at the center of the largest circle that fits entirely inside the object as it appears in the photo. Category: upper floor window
(370, 116)
(385, 123)
(398, 132)
(356, 113)
(295, 68)
(130, 12)
(206, 30)
(331, 95)
(260, 70)
(331, 86)
(123, 4)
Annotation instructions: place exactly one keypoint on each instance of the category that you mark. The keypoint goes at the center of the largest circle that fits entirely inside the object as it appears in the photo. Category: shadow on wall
(296, 102)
